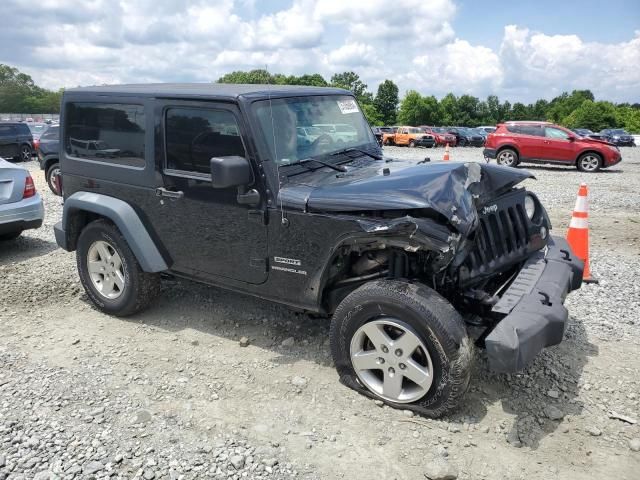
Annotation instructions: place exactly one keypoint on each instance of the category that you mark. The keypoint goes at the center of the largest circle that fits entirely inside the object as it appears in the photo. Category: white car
(339, 132)
(21, 206)
(92, 148)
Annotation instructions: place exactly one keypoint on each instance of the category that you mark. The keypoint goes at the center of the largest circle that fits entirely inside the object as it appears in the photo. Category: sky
(519, 50)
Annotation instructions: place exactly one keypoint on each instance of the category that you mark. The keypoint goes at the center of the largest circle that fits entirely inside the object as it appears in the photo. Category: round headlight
(529, 206)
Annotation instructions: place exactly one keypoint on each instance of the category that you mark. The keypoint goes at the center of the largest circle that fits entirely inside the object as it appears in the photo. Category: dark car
(465, 137)
(618, 136)
(48, 156)
(37, 129)
(399, 254)
(16, 141)
(543, 142)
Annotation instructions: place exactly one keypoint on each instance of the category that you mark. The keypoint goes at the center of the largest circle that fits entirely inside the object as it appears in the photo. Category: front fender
(123, 216)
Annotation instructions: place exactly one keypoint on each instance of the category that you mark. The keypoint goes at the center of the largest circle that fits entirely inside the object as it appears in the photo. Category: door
(557, 146)
(402, 137)
(8, 141)
(206, 231)
(529, 141)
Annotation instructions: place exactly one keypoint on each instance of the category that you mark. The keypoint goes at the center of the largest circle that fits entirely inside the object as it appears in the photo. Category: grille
(502, 238)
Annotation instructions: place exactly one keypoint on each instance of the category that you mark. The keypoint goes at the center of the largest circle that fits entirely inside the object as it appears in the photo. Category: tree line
(578, 109)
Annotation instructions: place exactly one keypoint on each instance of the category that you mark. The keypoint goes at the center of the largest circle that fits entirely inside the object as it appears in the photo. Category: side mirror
(571, 138)
(230, 172)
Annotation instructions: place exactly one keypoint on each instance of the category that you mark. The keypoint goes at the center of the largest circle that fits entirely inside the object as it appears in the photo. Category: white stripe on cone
(582, 204)
(577, 222)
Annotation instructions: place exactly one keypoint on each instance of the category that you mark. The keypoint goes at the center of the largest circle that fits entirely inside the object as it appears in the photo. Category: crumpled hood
(446, 188)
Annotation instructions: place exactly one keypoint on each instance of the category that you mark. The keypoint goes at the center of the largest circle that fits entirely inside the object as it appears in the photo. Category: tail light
(29, 188)
(36, 145)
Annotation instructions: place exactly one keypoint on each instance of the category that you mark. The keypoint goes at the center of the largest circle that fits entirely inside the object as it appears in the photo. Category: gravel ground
(172, 393)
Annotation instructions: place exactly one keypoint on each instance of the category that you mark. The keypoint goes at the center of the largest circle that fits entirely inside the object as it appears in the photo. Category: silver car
(20, 204)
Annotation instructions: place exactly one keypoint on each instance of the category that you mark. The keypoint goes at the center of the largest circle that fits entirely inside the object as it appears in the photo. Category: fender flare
(125, 218)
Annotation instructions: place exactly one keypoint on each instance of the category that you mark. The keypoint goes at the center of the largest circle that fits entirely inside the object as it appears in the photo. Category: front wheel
(507, 158)
(589, 162)
(110, 273)
(404, 344)
(412, 144)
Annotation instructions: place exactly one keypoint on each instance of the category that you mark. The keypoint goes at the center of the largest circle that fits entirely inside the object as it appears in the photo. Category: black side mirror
(230, 172)
(571, 138)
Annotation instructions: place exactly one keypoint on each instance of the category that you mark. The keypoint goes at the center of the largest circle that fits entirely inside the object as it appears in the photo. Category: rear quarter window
(106, 132)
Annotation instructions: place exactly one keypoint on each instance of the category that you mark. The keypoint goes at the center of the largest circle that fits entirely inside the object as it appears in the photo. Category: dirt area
(172, 393)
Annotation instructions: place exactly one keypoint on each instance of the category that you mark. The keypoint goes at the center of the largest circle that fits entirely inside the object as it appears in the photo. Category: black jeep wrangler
(209, 182)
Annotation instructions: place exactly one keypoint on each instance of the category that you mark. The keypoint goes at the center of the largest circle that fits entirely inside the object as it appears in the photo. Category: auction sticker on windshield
(348, 106)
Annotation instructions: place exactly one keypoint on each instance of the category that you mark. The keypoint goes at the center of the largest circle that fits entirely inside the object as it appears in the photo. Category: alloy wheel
(105, 269)
(589, 163)
(25, 153)
(506, 158)
(391, 361)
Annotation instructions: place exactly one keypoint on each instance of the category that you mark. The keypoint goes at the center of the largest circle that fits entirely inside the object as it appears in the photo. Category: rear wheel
(589, 162)
(110, 273)
(404, 344)
(24, 154)
(412, 144)
(52, 173)
(507, 157)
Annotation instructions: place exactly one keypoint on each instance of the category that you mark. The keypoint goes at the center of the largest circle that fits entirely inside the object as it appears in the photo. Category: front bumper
(535, 315)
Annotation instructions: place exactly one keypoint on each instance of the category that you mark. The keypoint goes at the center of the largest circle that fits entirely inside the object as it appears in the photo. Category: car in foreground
(48, 155)
(16, 141)
(618, 137)
(543, 142)
(402, 255)
(21, 206)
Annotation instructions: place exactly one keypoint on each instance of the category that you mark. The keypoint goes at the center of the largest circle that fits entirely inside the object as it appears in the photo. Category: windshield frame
(263, 145)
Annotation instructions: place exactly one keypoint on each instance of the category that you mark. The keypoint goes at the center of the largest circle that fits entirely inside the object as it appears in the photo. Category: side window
(51, 133)
(106, 132)
(195, 135)
(550, 132)
(5, 130)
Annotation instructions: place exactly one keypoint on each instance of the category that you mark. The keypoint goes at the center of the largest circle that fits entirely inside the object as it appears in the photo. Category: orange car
(409, 137)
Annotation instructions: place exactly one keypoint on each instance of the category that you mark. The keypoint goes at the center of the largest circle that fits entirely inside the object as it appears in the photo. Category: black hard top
(206, 90)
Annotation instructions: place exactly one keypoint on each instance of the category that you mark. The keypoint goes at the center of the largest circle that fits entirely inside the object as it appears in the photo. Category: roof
(527, 122)
(210, 90)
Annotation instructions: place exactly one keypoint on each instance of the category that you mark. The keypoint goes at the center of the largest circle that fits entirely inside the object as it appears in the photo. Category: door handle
(163, 192)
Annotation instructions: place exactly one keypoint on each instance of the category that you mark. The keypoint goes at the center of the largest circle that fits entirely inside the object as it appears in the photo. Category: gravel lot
(171, 393)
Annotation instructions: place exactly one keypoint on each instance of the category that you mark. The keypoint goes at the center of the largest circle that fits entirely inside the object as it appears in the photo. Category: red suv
(544, 142)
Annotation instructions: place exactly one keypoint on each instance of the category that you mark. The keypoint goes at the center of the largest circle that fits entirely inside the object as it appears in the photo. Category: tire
(5, 237)
(462, 143)
(412, 144)
(419, 314)
(24, 154)
(507, 157)
(53, 171)
(589, 162)
(138, 287)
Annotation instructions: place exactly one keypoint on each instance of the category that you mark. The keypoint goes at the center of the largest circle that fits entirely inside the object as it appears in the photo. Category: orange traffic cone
(446, 154)
(578, 233)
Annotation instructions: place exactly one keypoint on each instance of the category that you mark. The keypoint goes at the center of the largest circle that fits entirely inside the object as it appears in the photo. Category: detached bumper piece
(535, 315)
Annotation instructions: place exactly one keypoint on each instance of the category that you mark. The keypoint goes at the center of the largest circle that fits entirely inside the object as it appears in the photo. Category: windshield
(618, 131)
(332, 123)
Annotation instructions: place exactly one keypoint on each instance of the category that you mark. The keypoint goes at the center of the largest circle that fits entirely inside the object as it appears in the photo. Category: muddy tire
(507, 157)
(388, 329)
(110, 273)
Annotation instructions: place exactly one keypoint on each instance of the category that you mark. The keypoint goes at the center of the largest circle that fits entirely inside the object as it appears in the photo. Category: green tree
(371, 113)
(592, 115)
(410, 112)
(386, 102)
(351, 81)
(19, 94)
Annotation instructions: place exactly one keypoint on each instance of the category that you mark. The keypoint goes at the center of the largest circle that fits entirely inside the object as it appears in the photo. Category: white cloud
(409, 41)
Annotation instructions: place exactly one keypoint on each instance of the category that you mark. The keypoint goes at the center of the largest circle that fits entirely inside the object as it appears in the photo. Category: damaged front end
(465, 231)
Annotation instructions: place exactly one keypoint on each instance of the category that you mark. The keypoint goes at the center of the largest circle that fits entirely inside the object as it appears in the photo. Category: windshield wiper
(339, 168)
(360, 150)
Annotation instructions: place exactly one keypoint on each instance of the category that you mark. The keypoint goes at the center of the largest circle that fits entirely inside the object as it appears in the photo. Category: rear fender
(123, 216)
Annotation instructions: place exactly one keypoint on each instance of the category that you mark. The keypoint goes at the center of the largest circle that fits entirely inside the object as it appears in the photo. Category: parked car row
(429, 136)
(617, 136)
